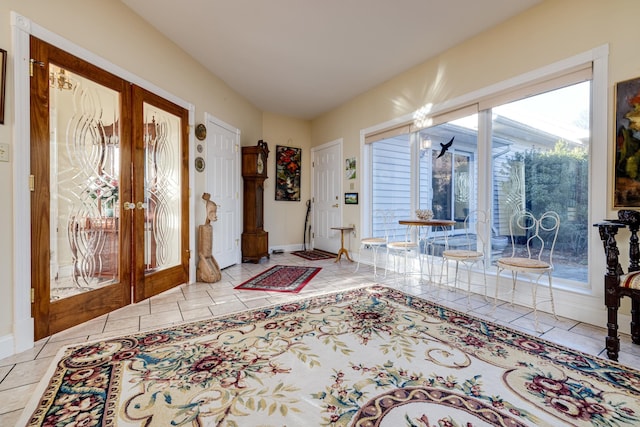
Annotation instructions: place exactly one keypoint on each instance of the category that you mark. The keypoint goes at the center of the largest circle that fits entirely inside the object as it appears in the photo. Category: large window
(535, 156)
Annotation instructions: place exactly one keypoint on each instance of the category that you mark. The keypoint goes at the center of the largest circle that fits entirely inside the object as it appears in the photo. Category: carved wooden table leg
(611, 287)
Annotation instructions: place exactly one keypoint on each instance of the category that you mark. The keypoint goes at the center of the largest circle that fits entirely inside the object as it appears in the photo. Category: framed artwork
(3, 82)
(350, 198)
(350, 168)
(288, 161)
(626, 192)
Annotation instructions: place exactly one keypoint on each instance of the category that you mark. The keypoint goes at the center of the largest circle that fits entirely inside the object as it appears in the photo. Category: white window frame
(599, 201)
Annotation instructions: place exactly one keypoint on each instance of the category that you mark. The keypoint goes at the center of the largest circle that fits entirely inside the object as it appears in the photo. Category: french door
(109, 204)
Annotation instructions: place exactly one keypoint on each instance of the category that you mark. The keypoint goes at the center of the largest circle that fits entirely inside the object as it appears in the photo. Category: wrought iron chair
(376, 243)
(534, 255)
(398, 247)
(471, 250)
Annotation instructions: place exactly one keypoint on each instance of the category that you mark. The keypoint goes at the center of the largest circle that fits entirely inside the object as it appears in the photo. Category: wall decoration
(3, 82)
(201, 132)
(350, 198)
(288, 160)
(350, 168)
(199, 164)
(627, 145)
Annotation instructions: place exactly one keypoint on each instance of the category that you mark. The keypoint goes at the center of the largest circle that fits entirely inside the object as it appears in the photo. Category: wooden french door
(160, 163)
(109, 221)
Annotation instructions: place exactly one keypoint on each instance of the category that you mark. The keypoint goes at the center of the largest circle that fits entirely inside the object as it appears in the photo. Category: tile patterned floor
(19, 374)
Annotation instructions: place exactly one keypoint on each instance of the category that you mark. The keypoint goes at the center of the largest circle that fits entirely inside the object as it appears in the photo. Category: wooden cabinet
(255, 241)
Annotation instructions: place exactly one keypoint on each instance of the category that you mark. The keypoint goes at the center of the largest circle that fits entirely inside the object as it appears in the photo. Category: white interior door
(327, 188)
(223, 182)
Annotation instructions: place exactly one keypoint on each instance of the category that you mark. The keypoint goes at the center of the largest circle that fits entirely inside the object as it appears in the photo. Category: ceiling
(301, 58)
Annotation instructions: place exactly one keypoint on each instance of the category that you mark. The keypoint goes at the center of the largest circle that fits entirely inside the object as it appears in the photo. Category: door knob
(141, 205)
(335, 206)
(129, 205)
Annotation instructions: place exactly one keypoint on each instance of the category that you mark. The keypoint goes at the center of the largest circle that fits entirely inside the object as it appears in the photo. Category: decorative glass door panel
(162, 189)
(84, 119)
(160, 202)
(109, 210)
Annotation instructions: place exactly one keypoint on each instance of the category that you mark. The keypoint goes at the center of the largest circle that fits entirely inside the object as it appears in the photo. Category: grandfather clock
(255, 241)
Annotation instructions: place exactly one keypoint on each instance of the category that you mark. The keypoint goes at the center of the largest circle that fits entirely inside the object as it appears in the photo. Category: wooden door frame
(54, 316)
(22, 28)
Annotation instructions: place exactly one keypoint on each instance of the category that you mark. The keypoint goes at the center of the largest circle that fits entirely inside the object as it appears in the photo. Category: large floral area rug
(371, 356)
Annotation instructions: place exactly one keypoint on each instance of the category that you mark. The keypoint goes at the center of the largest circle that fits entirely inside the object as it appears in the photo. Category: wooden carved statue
(208, 270)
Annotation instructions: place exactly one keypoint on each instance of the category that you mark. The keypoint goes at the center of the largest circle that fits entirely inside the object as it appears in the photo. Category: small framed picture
(350, 198)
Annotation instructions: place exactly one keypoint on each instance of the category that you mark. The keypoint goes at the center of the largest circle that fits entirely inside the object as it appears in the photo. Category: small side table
(342, 250)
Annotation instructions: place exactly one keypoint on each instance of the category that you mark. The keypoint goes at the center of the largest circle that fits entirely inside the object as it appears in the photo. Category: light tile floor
(19, 374)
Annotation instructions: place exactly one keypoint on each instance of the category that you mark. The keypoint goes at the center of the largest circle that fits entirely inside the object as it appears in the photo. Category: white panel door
(327, 188)
(223, 183)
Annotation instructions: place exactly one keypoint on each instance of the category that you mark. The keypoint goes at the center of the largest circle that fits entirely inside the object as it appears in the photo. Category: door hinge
(189, 253)
(32, 183)
(31, 63)
(313, 235)
(237, 147)
(33, 295)
(237, 242)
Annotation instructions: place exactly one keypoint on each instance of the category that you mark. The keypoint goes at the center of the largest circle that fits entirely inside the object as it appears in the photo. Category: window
(535, 155)
(540, 160)
(391, 184)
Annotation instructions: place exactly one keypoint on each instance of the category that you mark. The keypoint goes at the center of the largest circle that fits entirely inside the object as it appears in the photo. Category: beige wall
(285, 220)
(548, 33)
(552, 31)
(110, 30)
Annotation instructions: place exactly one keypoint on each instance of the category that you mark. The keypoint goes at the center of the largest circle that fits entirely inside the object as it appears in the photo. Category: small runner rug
(281, 278)
(370, 356)
(314, 255)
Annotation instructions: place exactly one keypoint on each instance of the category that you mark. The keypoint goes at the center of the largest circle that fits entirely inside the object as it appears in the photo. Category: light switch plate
(4, 152)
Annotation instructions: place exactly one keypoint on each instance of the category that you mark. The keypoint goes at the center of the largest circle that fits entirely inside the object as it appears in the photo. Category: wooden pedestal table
(342, 250)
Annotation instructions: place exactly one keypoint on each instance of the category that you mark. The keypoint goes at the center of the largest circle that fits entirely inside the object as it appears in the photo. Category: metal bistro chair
(471, 251)
(536, 257)
(402, 248)
(375, 243)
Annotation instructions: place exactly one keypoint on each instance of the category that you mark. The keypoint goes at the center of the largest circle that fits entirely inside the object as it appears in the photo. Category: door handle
(129, 206)
(335, 206)
(141, 205)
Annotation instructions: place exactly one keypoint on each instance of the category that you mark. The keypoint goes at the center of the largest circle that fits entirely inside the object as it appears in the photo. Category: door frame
(22, 29)
(314, 150)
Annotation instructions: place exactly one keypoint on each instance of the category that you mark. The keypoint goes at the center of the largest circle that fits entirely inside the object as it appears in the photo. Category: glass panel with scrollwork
(162, 196)
(84, 184)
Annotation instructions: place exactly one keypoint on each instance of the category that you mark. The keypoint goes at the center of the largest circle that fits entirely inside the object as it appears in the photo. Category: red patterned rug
(281, 278)
(314, 254)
